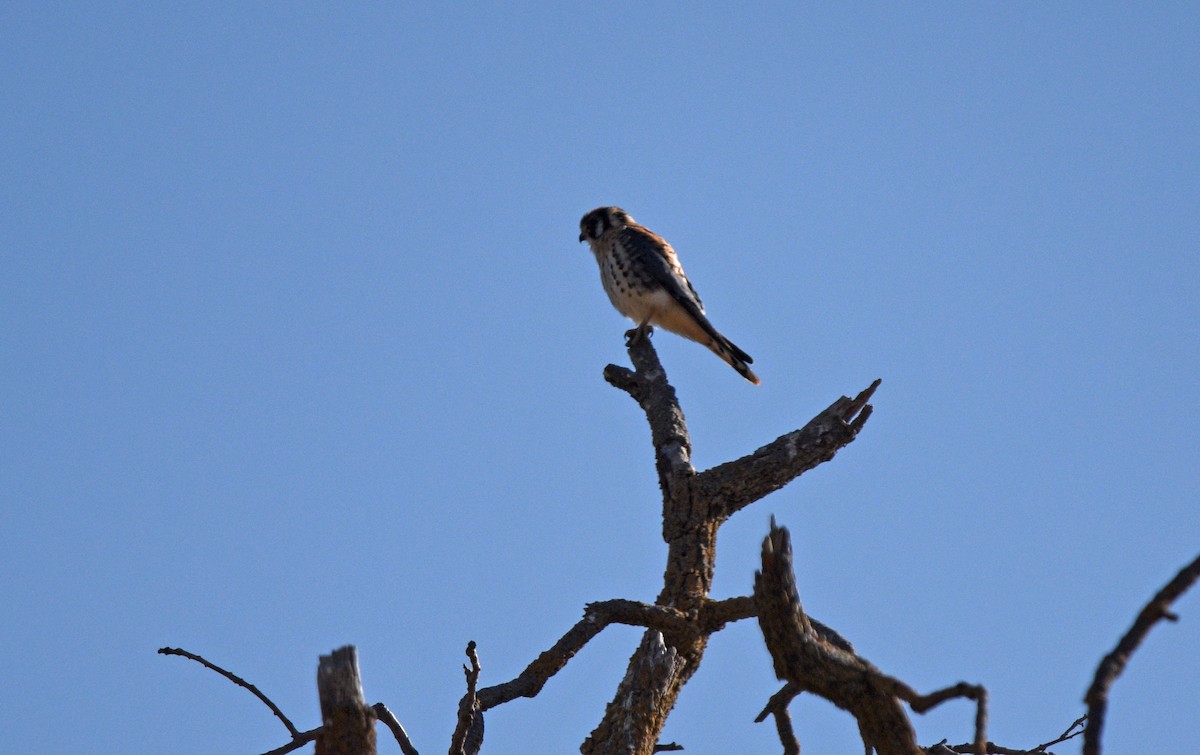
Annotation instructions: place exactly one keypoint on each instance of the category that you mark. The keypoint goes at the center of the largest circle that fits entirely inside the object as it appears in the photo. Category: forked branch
(333, 694)
(694, 507)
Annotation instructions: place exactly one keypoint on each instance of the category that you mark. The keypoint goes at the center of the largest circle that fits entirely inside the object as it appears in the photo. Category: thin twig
(1072, 731)
(1114, 663)
(239, 682)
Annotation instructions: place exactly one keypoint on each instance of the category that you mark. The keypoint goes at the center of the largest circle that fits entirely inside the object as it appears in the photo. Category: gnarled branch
(668, 429)
(694, 506)
(736, 484)
(813, 664)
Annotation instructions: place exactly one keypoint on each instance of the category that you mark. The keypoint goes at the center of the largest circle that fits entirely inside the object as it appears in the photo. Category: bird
(644, 281)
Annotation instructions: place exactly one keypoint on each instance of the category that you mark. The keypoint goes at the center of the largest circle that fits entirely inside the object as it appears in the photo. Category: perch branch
(648, 385)
(1114, 663)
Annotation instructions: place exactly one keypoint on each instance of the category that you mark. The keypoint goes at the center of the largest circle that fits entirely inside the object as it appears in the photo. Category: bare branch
(389, 720)
(923, 703)
(737, 484)
(669, 621)
(1068, 733)
(468, 734)
(694, 506)
(623, 378)
(1114, 663)
(668, 429)
(991, 748)
(715, 614)
(239, 682)
(1072, 731)
(814, 664)
(801, 658)
(596, 617)
(299, 741)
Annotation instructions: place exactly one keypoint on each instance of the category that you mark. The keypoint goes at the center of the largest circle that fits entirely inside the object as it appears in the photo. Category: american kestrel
(644, 281)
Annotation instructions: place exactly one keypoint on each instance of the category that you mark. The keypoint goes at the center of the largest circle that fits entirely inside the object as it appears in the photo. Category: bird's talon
(634, 336)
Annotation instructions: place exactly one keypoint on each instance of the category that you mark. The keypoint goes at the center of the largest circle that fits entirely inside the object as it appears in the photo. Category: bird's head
(599, 220)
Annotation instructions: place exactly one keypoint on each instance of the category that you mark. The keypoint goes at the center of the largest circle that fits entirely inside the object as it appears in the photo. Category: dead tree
(684, 616)
(807, 655)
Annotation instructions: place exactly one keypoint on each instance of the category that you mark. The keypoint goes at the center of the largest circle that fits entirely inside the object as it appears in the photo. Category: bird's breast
(630, 289)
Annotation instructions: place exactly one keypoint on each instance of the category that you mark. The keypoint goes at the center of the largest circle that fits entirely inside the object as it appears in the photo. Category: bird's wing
(658, 259)
(652, 253)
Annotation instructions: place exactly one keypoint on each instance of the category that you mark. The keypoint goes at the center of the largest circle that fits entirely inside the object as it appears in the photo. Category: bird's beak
(581, 237)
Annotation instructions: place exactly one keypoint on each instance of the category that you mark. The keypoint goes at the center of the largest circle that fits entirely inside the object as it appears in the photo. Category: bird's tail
(734, 357)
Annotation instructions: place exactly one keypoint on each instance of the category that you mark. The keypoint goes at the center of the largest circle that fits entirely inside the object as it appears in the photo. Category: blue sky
(299, 350)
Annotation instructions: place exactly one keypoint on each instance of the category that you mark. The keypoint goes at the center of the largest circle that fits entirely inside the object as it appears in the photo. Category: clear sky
(299, 349)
